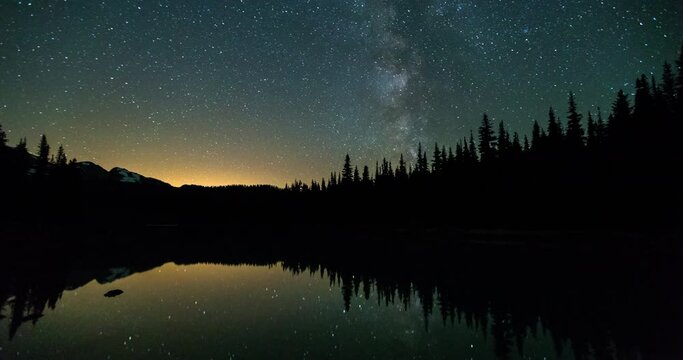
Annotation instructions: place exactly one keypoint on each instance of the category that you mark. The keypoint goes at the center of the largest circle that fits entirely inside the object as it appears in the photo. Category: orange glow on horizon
(205, 176)
(179, 178)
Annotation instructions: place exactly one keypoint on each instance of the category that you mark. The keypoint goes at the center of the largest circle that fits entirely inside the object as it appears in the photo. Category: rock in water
(113, 293)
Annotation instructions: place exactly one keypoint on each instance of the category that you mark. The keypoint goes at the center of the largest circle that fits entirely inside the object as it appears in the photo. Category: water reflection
(232, 303)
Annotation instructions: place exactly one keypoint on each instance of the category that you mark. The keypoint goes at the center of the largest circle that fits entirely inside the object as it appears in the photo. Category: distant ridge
(91, 172)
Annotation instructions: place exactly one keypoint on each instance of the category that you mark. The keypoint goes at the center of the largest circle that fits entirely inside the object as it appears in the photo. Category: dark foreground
(398, 293)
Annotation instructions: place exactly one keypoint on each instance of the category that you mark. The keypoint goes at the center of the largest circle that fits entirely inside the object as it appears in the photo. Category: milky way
(218, 92)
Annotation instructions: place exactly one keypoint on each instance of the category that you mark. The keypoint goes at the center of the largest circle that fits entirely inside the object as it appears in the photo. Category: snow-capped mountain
(125, 176)
(91, 172)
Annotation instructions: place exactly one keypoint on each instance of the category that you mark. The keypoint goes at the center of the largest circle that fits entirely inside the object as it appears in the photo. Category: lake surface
(181, 294)
(243, 312)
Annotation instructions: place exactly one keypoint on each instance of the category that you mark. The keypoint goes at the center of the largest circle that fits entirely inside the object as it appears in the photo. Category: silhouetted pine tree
(386, 174)
(515, 147)
(459, 152)
(333, 181)
(437, 166)
(620, 118)
(592, 138)
(43, 156)
(365, 180)
(536, 137)
(575, 134)
(601, 128)
(424, 164)
(387, 169)
(418, 171)
(555, 134)
(356, 175)
(504, 143)
(421, 167)
(643, 107)
(401, 171)
(347, 172)
(61, 161)
(450, 161)
(486, 141)
(472, 157)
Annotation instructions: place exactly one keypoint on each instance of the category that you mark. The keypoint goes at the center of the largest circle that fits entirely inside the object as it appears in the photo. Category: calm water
(218, 295)
(244, 312)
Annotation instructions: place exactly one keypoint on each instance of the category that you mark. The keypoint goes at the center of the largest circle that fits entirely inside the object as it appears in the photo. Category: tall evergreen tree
(620, 117)
(575, 134)
(473, 156)
(592, 138)
(43, 156)
(386, 172)
(356, 175)
(422, 168)
(459, 152)
(61, 161)
(643, 108)
(555, 134)
(347, 171)
(418, 165)
(402, 170)
(516, 146)
(536, 136)
(436, 160)
(601, 128)
(366, 175)
(504, 143)
(450, 161)
(486, 140)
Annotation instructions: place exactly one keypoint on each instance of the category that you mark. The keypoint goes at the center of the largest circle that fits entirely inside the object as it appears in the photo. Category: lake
(212, 301)
(242, 312)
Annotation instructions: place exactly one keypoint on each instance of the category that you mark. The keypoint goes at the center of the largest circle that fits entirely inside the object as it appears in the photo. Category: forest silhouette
(586, 172)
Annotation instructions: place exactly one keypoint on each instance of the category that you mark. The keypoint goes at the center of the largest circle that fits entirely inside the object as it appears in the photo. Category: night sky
(223, 92)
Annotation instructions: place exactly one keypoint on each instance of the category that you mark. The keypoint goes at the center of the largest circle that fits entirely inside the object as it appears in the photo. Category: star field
(221, 92)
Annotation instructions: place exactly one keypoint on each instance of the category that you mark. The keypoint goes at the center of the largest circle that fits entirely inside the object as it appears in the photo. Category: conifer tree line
(17, 161)
(636, 134)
